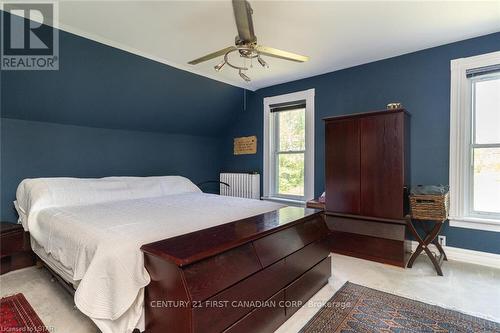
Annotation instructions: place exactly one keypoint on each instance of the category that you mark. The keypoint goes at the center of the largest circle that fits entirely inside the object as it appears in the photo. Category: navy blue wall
(420, 80)
(107, 112)
(101, 86)
(33, 149)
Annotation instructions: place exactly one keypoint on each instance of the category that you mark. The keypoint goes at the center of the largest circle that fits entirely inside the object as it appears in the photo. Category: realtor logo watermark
(30, 38)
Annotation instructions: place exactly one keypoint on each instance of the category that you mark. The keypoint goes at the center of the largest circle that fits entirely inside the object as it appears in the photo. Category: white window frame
(461, 118)
(269, 157)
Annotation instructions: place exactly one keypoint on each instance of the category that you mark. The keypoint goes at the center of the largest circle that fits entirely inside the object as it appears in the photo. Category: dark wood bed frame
(250, 275)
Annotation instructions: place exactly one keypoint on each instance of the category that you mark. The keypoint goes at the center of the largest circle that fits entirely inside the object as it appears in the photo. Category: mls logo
(30, 39)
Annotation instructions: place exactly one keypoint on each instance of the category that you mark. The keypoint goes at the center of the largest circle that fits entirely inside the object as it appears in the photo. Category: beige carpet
(51, 302)
(468, 288)
(356, 308)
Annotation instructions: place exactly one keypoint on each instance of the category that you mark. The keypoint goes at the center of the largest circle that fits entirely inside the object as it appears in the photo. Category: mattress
(97, 246)
(65, 273)
(134, 314)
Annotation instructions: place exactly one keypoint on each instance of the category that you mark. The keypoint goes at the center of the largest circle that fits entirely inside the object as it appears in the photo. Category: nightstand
(15, 250)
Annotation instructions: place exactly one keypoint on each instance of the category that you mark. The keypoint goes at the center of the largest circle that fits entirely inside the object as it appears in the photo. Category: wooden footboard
(249, 275)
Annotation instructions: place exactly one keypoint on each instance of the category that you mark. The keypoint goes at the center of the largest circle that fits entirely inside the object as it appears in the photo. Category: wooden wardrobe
(367, 176)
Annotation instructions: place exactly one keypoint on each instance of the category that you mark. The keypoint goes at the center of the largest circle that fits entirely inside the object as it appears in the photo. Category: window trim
(460, 143)
(308, 96)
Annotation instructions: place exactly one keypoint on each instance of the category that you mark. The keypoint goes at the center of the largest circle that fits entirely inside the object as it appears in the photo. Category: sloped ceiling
(101, 86)
(335, 34)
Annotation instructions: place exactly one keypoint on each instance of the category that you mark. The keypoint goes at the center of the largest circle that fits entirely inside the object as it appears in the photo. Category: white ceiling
(334, 34)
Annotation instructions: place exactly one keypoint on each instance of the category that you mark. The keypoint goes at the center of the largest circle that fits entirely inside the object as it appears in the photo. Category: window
(289, 147)
(475, 142)
(486, 145)
(289, 150)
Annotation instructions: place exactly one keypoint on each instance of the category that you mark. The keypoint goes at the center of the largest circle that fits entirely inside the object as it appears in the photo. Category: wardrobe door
(382, 140)
(342, 157)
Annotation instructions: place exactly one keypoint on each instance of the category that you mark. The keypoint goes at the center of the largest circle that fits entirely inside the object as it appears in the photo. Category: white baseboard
(468, 256)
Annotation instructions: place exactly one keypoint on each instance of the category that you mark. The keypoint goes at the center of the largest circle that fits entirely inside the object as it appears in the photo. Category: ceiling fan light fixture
(262, 62)
(246, 45)
(244, 76)
(219, 66)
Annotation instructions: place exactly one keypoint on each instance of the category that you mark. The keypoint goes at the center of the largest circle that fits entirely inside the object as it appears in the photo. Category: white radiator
(243, 185)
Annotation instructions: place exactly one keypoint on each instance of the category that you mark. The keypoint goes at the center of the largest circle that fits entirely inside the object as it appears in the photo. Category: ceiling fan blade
(272, 52)
(212, 55)
(244, 24)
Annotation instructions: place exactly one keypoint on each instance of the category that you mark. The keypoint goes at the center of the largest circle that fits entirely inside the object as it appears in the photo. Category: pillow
(36, 194)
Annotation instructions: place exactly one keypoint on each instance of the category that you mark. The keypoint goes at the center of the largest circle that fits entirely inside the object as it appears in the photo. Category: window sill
(290, 202)
(475, 223)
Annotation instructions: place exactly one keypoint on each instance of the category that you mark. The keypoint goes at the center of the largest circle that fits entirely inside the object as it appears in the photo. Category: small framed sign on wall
(245, 145)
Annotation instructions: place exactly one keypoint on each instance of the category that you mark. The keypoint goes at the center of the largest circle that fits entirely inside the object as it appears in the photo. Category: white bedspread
(99, 244)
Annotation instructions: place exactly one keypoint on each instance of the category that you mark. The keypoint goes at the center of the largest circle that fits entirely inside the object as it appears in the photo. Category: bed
(90, 231)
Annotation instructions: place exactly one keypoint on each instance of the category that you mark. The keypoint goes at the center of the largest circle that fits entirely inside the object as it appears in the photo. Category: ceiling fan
(246, 44)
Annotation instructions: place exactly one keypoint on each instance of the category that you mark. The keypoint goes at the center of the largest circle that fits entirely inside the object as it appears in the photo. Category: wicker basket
(429, 206)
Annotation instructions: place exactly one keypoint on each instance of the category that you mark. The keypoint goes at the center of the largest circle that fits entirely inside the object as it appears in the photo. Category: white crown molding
(99, 39)
(126, 48)
(468, 256)
(148, 26)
